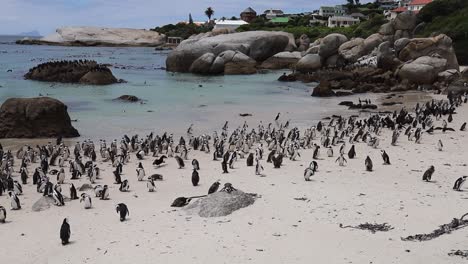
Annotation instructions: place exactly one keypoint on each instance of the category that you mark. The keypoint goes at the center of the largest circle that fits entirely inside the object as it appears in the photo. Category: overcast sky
(45, 16)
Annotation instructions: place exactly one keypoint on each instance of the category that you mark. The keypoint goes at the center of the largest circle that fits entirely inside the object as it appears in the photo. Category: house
(327, 11)
(229, 24)
(248, 15)
(417, 5)
(271, 13)
(394, 13)
(317, 19)
(342, 21)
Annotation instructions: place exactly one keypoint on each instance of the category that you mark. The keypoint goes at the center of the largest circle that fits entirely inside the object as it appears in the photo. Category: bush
(182, 30)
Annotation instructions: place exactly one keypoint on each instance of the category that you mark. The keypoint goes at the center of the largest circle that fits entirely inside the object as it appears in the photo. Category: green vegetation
(209, 12)
(182, 30)
(451, 18)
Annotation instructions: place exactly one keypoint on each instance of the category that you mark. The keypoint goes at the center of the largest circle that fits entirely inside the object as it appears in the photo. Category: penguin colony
(263, 145)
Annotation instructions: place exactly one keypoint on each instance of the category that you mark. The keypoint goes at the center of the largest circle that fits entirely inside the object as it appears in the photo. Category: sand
(277, 228)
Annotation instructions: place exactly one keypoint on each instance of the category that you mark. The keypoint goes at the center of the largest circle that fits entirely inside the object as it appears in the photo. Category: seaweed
(371, 227)
(455, 224)
(461, 253)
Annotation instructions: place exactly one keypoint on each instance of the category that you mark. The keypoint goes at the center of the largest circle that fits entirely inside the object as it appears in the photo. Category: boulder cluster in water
(76, 71)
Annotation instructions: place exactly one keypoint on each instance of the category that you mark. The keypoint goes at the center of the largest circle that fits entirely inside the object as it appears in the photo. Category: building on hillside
(359, 16)
(174, 41)
(279, 20)
(327, 11)
(340, 10)
(248, 15)
(317, 19)
(342, 21)
(271, 13)
(229, 24)
(417, 5)
(394, 13)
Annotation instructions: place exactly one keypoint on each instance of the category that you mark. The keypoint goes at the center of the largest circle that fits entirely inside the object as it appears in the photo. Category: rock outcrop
(309, 63)
(323, 89)
(220, 204)
(99, 36)
(85, 72)
(35, 118)
(128, 98)
(282, 60)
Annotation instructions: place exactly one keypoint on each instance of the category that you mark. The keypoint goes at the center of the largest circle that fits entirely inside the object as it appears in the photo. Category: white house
(229, 24)
(342, 21)
(271, 13)
(417, 5)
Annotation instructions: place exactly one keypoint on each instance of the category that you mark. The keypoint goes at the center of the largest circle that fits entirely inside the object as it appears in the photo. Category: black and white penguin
(65, 232)
(459, 183)
(368, 163)
(195, 164)
(3, 214)
(224, 166)
(277, 161)
(330, 152)
(117, 177)
(316, 152)
(124, 186)
(341, 160)
(140, 172)
(258, 168)
(250, 160)
(61, 176)
(440, 146)
(180, 162)
(385, 158)
(104, 195)
(158, 162)
(24, 175)
(87, 200)
(195, 177)
(314, 166)
(214, 187)
(123, 211)
(352, 152)
(140, 154)
(308, 173)
(15, 201)
(428, 174)
(73, 194)
(463, 127)
(58, 197)
(17, 188)
(150, 184)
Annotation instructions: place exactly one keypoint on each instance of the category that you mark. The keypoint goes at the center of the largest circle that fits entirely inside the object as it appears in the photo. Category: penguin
(250, 160)
(308, 173)
(24, 175)
(450, 118)
(150, 184)
(440, 146)
(140, 172)
(330, 152)
(15, 202)
(104, 195)
(385, 158)
(214, 187)
(195, 164)
(73, 195)
(341, 160)
(463, 127)
(118, 179)
(277, 117)
(314, 166)
(124, 186)
(428, 174)
(368, 164)
(122, 209)
(258, 168)
(3, 214)
(352, 152)
(316, 152)
(17, 188)
(224, 166)
(156, 177)
(277, 161)
(183, 201)
(140, 154)
(269, 158)
(158, 162)
(65, 232)
(180, 162)
(459, 183)
(61, 176)
(195, 177)
(58, 197)
(87, 200)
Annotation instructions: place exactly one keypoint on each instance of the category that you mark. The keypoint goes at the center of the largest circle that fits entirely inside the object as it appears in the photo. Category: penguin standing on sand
(440, 146)
(124, 186)
(258, 168)
(104, 195)
(352, 152)
(341, 160)
(17, 188)
(73, 194)
(330, 152)
(224, 166)
(61, 176)
(3, 214)
(195, 178)
(368, 163)
(118, 179)
(428, 174)
(250, 160)
(140, 172)
(65, 232)
(24, 175)
(195, 164)
(214, 187)
(180, 162)
(159, 161)
(385, 158)
(122, 209)
(463, 127)
(308, 173)
(15, 201)
(58, 197)
(150, 184)
(459, 183)
(314, 166)
(87, 200)
(316, 151)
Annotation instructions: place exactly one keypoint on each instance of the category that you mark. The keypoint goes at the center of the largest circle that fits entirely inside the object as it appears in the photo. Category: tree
(357, 2)
(190, 19)
(209, 12)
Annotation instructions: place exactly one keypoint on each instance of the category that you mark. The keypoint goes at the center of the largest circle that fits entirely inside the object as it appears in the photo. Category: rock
(370, 43)
(386, 59)
(343, 93)
(100, 36)
(441, 45)
(282, 60)
(363, 88)
(399, 44)
(402, 34)
(128, 98)
(218, 66)
(405, 21)
(258, 45)
(240, 64)
(330, 44)
(417, 73)
(287, 78)
(346, 103)
(323, 89)
(313, 50)
(387, 29)
(439, 64)
(309, 63)
(35, 117)
(352, 50)
(220, 204)
(85, 187)
(303, 43)
(202, 65)
(87, 72)
(43, 204)
(335, 61)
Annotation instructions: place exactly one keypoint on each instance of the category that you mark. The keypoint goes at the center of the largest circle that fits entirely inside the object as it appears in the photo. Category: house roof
(420, 2)
(249, 10)
(275, 11)
(357, 15)
(231, 22)
(400, 9)
(343, 18)
(280, 20)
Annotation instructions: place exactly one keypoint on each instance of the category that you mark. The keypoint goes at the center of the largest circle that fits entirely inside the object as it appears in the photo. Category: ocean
(173, 101)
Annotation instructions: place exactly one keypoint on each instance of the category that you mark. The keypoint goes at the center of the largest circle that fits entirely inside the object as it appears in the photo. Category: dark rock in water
(221, 203)
(34, 118)
(323, 90)
(128, 98)
(391, 103)
(346, 103)
(246, 114)
(287, 78)
(343, 93)
(363, 106)
(85, 72)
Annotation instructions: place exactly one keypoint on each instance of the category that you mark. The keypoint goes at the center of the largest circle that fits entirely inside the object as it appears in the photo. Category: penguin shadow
(70, 243)
(160, 166)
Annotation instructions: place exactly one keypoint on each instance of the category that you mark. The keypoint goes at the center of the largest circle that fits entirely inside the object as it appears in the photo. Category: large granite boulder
(423, 70)
(405, 21)
(202, 65)
(240, 63)
(323, 89)
(282, 60)
(258, 45)
(309, 63)
(85, 72)
(352, 50)
(418, 47)
(35, 118)
(220, 203)
(330, 45)
(100, 36)
(386, 58)
(303, 43)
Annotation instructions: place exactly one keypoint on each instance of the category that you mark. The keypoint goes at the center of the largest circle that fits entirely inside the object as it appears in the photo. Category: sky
(45, 16)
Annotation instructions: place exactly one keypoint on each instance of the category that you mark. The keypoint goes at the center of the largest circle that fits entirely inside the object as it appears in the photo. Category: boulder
(313, 49)
(418, 73)
(309, 63)
(258, 45)
(335, 61)
(303, 43)
(323, 89)
(402, 34)
(352, 50)
(330, 44)
(34, 118)
(282, 60)
(128, 98)
(202, 65)
(448, 76)
(220, 204)
(98, 77)
(240, 64)
(387, 29)
(218, 66)
(405, 21)
(386, 59)
(399, 44)
(371, 42)
(458, 87)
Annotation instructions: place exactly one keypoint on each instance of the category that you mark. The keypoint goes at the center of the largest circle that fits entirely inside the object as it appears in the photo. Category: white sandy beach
(276, 228)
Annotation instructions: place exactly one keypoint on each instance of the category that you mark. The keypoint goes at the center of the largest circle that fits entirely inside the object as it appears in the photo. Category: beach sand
(277, 228)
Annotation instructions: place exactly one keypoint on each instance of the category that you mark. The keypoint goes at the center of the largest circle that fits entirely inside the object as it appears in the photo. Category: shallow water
(173, 101)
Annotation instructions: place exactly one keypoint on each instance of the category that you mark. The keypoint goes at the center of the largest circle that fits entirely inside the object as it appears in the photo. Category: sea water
(172, 101)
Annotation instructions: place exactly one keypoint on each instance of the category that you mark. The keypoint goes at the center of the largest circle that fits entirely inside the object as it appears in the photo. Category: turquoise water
(172, 101)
